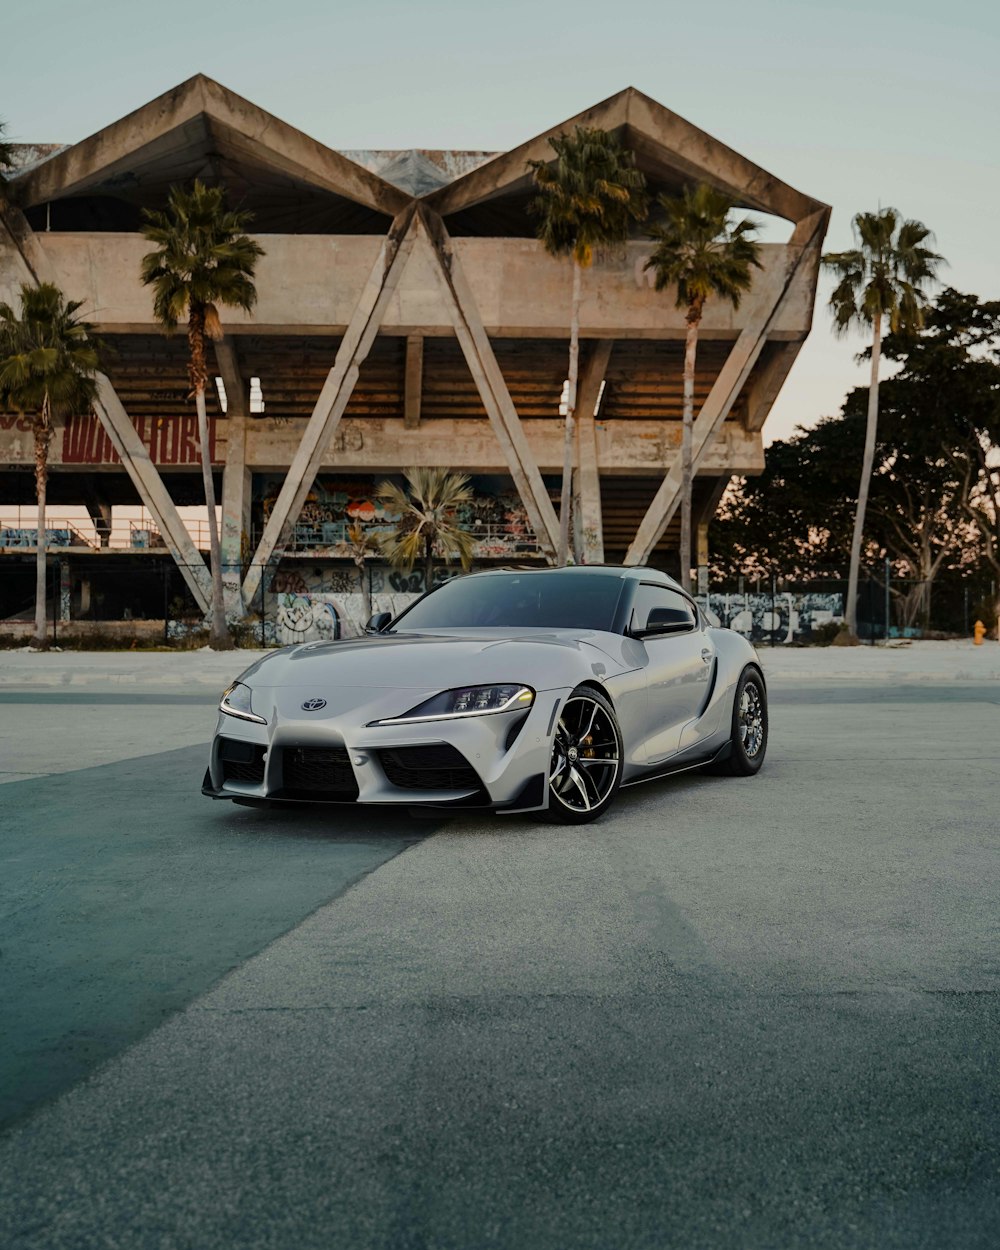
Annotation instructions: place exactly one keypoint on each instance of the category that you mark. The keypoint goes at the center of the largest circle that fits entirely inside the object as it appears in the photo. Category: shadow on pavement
(126, 894)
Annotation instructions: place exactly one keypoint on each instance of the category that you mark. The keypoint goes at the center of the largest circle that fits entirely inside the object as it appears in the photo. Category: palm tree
(48, 358)
(702, 253)
(202, 259)
(883, 275)
(361, 544)
(587, 199)
(427, 520)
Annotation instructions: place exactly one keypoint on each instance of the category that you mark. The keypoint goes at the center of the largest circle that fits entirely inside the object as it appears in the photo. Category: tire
(748, 738)
(585, 765)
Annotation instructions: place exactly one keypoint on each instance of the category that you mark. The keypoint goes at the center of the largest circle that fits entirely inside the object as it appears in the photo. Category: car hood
(442, 660)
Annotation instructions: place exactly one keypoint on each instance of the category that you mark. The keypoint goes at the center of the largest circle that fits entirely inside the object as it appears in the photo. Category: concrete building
(407, 316)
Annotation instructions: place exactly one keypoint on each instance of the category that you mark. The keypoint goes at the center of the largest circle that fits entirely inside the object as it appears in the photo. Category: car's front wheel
(585, 768)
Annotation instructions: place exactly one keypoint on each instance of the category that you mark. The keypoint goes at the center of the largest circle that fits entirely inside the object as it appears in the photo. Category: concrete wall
(377, 444)
(309, 284)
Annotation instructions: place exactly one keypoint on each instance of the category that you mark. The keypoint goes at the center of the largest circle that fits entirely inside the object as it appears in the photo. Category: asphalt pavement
(733, 1013)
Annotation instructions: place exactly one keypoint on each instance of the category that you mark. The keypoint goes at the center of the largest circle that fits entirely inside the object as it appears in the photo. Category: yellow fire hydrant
(978, 633)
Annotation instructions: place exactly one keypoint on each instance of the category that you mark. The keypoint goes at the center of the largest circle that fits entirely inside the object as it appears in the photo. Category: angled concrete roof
(178, 133)
(670, 151)
(201, 129)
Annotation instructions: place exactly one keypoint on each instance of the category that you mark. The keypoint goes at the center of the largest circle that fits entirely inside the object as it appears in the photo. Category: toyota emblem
(313, 705)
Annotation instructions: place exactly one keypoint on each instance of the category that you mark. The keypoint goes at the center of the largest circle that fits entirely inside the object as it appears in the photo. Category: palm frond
(427, 511)
(201, 254)
(48, 355)
(588, 196)
(700, 251)
(885, 275)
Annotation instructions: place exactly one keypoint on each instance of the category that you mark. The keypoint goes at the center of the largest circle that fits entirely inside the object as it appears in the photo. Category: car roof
(634, 572)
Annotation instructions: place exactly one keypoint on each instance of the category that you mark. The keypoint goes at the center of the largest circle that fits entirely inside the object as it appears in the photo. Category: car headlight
(467, 701)
(238, 701)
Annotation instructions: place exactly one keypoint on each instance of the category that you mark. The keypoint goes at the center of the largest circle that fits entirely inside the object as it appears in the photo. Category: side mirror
(377, 622)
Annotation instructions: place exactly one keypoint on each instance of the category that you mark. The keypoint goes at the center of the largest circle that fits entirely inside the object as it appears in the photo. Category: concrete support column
(576, 520)
(702, 557)
(236, 497)
(152, 491)
(100, 513)
(589, 521)
(414, 381)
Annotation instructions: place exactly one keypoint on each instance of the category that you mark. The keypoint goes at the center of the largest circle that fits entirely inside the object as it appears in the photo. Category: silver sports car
(520, 691)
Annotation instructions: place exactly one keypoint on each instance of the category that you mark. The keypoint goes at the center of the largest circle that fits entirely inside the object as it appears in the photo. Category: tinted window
(519, 601)
(660, 605)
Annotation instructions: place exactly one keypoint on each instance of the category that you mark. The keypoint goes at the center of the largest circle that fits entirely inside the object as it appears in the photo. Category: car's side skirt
(672, 767)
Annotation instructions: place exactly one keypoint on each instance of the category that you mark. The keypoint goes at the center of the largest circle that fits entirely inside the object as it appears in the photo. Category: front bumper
(496, 761)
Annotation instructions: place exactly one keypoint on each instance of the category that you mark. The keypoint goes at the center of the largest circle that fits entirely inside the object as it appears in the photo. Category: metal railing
(492, 539)
(330, 537)
(68, 534)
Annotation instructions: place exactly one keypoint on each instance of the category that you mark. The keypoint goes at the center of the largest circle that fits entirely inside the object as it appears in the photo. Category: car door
(679, 665)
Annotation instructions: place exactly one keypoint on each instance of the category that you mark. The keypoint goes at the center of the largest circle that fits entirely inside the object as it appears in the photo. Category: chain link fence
(775, 611)
(146, 599)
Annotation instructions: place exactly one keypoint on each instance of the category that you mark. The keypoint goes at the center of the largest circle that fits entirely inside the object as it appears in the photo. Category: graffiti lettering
(170, 441)
(761, 618)
(286, 582)
(15, 422)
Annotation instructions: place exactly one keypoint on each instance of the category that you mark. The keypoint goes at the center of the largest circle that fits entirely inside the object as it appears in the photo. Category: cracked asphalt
(734, 1013)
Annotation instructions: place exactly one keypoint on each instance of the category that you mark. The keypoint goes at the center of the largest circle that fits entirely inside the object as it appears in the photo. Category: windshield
(518, 601)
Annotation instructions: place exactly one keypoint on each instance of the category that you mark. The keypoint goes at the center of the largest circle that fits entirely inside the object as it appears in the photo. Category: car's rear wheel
(748, 741)
(585, 768)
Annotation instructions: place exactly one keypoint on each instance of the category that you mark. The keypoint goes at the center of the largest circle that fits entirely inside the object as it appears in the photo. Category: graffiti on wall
(169, 441)
(781, 618)
(29, 538)
(495, 515)
(311, 604)
(305, 618)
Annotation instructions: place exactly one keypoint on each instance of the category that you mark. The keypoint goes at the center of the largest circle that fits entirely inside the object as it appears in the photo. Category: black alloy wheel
(748, 740)
(585, 770)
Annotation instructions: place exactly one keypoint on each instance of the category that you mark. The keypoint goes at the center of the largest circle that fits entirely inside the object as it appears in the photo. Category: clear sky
(856, 102)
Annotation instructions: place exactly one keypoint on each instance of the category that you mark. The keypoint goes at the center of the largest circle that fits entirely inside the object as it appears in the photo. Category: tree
(48, 358)
(587, 199)
(883, 276)
(202, 259)
(427, 525)
(937, 416)
(936, 460)
(702, 254)
(953, 368)
(361, 544)
(794, 519)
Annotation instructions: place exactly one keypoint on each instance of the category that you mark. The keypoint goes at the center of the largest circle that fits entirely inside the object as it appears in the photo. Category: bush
(823, 635)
